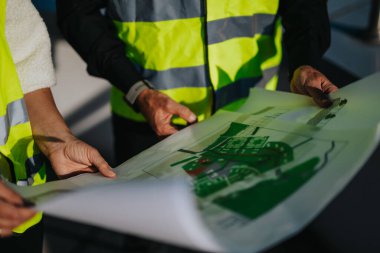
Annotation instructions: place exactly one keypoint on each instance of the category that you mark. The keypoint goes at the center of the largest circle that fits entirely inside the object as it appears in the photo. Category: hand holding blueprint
(237, 182)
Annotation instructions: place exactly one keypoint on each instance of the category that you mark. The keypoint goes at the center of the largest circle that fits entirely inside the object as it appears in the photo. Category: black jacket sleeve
(94, 37)
(307, 31)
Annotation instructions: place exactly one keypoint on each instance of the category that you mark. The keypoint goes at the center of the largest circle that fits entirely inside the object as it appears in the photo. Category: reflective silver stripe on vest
(176, 77)
(240, 89)
(33, 166)
(243, 26)
(15, 114)
(153, 10)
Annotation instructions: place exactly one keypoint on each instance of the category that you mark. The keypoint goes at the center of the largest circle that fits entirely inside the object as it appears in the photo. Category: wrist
(135, 91)
(50, 141)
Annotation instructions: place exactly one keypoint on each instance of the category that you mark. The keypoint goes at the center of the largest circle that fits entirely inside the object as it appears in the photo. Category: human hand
(12, 212)
(309, 81)
(68, 155)
(158, 110)
(72, 156)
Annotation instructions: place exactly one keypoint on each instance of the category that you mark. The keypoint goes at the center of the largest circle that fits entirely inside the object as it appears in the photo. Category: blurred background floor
(83, 101)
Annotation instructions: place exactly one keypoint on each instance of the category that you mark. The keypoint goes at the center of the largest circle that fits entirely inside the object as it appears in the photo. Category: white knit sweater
(29, 43)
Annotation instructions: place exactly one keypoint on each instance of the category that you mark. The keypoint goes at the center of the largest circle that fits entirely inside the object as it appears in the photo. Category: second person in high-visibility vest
(174, 62)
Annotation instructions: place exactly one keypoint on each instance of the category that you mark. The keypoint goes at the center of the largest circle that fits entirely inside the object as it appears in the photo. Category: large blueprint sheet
(237, 182)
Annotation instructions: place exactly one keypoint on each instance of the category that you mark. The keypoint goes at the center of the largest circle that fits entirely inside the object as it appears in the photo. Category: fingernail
(193, 118)
(111, 174)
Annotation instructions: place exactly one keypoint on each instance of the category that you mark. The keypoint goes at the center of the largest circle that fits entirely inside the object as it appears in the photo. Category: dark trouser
(28, 242)
(130, 137)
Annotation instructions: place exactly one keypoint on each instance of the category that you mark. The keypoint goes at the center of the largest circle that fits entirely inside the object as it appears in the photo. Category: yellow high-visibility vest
(205, 54)
(20, 160)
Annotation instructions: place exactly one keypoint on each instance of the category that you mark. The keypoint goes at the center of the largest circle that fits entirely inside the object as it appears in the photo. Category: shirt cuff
(135, 91)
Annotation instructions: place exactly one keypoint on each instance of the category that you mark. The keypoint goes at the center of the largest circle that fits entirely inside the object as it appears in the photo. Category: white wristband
(136, 89)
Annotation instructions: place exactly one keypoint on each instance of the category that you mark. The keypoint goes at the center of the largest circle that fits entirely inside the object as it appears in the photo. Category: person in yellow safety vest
(31, 128)
(175, 62)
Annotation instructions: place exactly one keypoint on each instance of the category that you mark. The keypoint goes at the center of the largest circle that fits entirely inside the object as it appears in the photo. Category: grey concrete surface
(349, 20)
(82, 99)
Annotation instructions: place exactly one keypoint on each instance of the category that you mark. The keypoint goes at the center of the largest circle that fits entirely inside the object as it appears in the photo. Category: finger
(4, 232)
(183, 112)
(11, 216)
(165, 130)
(162, 122)
(9, 211)
(319, 97)
(9, 223)
(9, 195)
(329, 88)
(25, 214)
(98, 161)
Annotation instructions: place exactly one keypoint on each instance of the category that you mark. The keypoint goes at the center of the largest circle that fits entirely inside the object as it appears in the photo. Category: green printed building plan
(242, 154)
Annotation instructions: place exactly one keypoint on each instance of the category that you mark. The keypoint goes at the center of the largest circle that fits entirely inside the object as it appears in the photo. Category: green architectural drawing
(240, 154)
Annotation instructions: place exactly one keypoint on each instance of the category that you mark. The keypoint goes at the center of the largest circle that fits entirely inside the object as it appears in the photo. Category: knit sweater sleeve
(29, 44)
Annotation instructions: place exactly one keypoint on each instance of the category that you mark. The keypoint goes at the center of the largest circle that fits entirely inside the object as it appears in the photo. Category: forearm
(307, 31)
(48, 127)
(94, 37)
